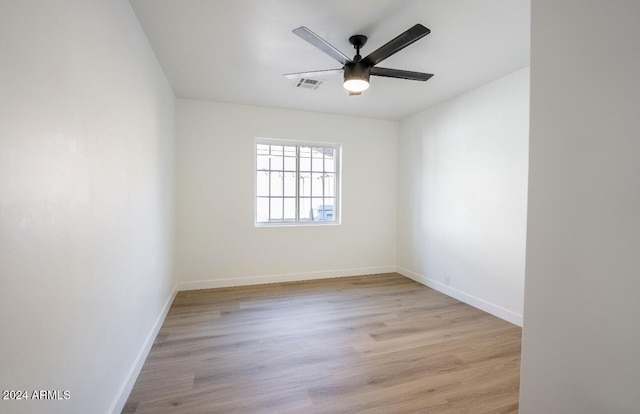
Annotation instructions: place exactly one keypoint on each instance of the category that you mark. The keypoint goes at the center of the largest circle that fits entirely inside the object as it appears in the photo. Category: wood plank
(366, 344)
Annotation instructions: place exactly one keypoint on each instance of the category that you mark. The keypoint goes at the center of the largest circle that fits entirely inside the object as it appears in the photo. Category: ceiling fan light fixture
(356, 84)
(356, 77)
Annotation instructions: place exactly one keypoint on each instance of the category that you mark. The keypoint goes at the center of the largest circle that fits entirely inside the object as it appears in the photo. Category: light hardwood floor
(368, 344)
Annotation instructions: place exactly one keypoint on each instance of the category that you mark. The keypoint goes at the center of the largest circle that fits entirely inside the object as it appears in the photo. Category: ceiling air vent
(307, 83)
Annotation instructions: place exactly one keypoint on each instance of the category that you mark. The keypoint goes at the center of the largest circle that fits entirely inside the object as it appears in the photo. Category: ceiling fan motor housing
(356, 70)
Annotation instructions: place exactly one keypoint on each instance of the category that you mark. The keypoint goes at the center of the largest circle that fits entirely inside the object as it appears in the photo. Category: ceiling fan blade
(401, 74)
(417, 32)
(321, 44)
(326, 72)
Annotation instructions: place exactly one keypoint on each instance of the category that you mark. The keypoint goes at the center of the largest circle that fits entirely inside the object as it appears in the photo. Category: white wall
(462, 196)
(86, 200)
(581, 338)
(217, 243)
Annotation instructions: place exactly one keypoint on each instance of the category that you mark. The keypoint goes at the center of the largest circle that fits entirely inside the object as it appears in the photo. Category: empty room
(295, 206)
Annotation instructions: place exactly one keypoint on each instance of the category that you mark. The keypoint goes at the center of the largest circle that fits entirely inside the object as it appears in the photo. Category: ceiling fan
(357, 70)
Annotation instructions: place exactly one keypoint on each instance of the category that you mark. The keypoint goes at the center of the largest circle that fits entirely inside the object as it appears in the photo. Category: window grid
(312, 193)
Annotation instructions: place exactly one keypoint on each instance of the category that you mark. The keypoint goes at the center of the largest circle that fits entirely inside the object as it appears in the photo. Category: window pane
(305, 184)
(305, 164)
(277, 150)
(262, 162)
(262, 149)
(329, 185)
(317, 165)
(330, 161)
(262, 209)
(276, 184)
(290, 151)
(329, 209)
(262, 183)
(316, 184)
(306, 212)
(305, 151)
(290, 209)
(276, 209)
(290, 184)
(290, 163)
(324, 211)
(317, 152)
(277, 163)
(316, 204)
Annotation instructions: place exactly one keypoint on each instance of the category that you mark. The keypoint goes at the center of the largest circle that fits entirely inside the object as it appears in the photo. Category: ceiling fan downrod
(358, 41)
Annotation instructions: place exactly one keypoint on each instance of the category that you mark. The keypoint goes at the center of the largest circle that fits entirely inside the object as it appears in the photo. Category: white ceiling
(237, 50)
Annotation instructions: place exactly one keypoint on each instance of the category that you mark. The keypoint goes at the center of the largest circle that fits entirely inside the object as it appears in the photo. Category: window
(297, 183)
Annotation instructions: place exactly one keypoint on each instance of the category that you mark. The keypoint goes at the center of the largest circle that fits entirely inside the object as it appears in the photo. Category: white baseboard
(476, 302)
(285, 277)
(132, 375)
